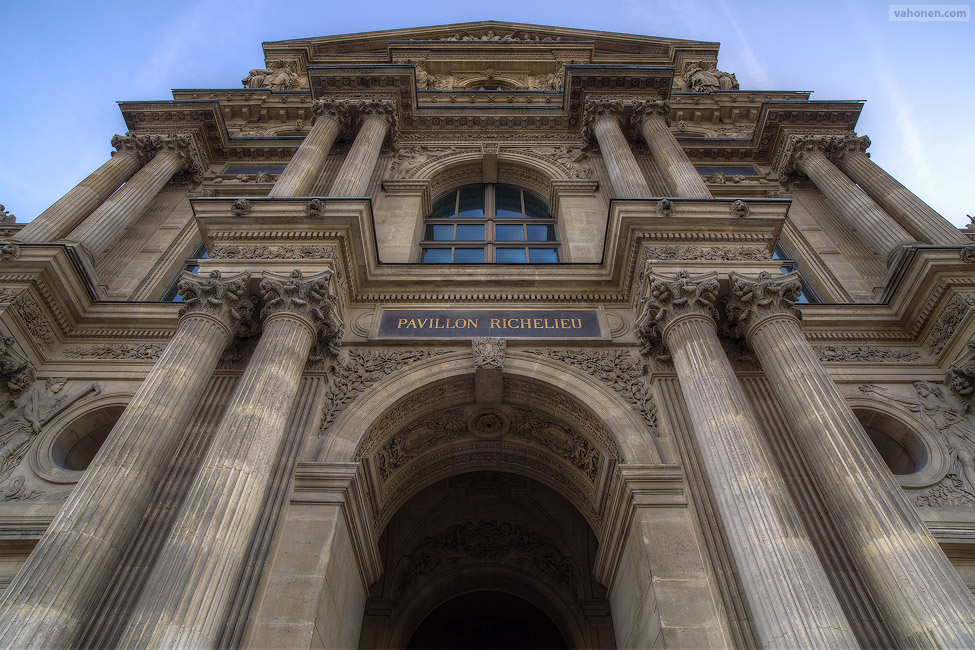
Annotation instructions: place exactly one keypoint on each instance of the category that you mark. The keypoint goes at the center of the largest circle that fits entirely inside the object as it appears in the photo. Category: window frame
(490, 221)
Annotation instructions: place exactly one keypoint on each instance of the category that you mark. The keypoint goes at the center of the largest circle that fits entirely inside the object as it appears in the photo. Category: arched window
(489, 223)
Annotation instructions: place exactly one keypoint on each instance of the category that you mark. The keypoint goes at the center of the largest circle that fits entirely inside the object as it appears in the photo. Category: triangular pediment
(486, 33)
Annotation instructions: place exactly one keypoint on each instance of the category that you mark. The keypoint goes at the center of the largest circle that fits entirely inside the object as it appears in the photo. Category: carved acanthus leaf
(33, 317)
(953, 313)
(709, 253)
(673, 297)
(116, 351)
(754, 299)
(307, 297)
(865, 354)
(285, 252)
(355, 370)
(621, 370)
(225, 298)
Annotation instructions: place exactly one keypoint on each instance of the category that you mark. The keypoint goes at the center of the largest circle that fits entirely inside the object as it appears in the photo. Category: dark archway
(486, 620)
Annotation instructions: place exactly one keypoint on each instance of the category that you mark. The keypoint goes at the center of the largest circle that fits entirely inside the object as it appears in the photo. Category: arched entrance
(471, 622)
(552, 491)
(492, 539)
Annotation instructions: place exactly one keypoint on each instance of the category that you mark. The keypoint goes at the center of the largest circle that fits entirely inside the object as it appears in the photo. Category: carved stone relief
(955, 429)
(451, 426)
(6, 218)
(355, 370)
(960, 377)
(488, 352)
(408, 160)
(33, 318)
(948, 320)
(285, 252)
(479, 542)
(620, 370)
(709, 253)
(146, 351)
(279, 75)
(30, 413)
(9, 251)
(865, 354)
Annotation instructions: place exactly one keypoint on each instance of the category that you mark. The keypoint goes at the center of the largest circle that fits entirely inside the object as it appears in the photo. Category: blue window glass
(508, 203)
(535, 207)
(468, 255)
(439, 232)
(543, 255)
(444, 207)
(471, 204)
(436, 255)
(510, 255)
(469, 232)
(509, 232)
(540, 233)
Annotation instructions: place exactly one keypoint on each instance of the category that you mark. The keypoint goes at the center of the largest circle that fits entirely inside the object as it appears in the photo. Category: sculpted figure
(952, 425)
(31, 412)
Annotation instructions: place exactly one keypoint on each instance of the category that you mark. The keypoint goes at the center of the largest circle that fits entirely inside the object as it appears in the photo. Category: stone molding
(343, 485)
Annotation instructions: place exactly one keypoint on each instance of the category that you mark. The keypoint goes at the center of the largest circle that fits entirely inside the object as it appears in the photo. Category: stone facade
(726, 399)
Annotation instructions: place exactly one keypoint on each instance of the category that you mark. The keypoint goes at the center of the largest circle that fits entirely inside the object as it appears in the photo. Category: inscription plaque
(504, 323)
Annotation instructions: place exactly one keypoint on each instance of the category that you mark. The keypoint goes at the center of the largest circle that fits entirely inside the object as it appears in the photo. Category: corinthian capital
(225, 299)
(753, 300)
(842, 147)
(597, 109)
(139, 146)
(648, 109)
(673, 297)
(182, 146)
(305, 297)
(796, 148)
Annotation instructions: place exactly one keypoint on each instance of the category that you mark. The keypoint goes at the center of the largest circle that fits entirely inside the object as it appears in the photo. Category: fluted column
(184, 603)
(787, 590)
(72, 208)
(653, 118)
(299, 176)
(602, 120)
(873, 226)
(924, 600)
(356, 171)
(913, 214)
(45, 603)
(107, 223)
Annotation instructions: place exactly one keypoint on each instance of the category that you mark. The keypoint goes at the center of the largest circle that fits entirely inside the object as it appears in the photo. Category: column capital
(672, 298)
(306, 299)
(842, 147)
(225, 300)
(796, 148)
(755, 300)
(137, 145)
(598, 108)
(647, 109)
(330, 107)
(183, 147)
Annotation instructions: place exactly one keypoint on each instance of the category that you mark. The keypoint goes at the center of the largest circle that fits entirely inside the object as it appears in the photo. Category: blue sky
(69, 62)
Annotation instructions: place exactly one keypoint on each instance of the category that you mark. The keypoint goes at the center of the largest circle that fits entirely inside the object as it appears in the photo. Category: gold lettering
(495, 323)
(528, 321)
(471, 322)
(563, 321)
(510, 323)
(577, 323)
(535, 323)
(401, 323)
